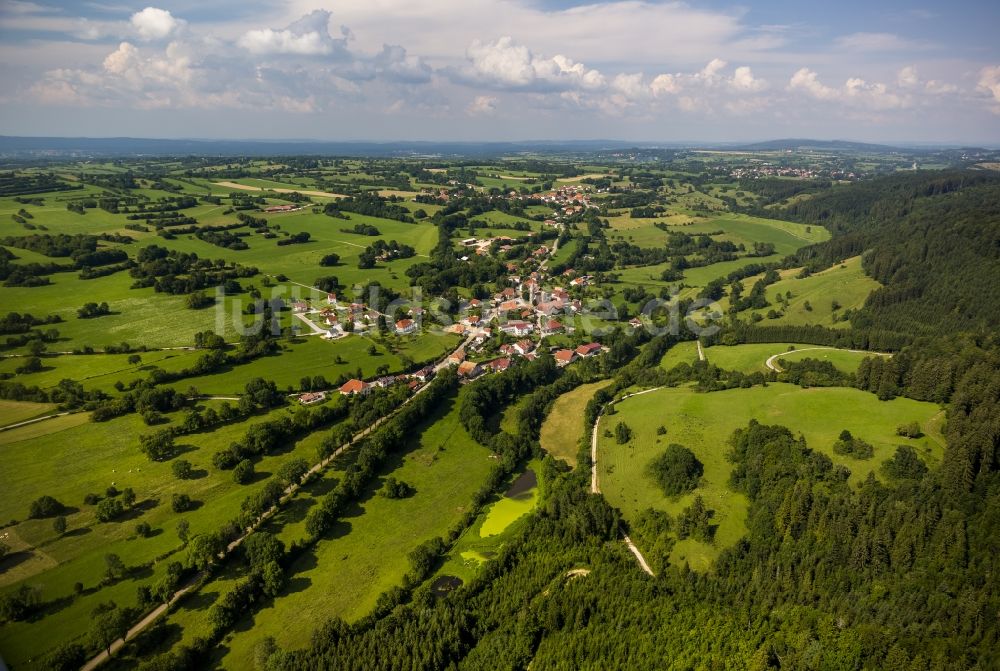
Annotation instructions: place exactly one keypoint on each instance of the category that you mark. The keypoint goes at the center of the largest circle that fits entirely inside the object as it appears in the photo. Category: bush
(143, 530)
(182, 469)
(396, 489)
(850, 446)
(45, 506)
(109, 509)
(677, 470)
(181, 503)
(623, 433)
(225, 459)
(243, 473)
(911, 430)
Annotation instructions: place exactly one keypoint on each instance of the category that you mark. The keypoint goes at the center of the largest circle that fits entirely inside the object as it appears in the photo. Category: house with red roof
(355, 387)
(565, 357)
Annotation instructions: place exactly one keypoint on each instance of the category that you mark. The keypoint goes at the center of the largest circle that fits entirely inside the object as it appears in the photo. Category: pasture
(563, 427)
(704, 422)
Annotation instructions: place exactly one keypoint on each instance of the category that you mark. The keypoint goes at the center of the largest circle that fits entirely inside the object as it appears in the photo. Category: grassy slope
(704, 422)
(750, 358)
(563, 427)
(845, 283)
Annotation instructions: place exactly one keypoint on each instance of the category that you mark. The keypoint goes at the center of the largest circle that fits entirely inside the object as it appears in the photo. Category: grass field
(846, 284)
(750, 358)
(68, 458)
(13, 412)
(563, 427)
(682, 352)
(366, 553)
(704, 423)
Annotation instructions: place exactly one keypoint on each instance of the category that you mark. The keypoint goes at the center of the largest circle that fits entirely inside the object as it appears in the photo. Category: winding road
(770, 363)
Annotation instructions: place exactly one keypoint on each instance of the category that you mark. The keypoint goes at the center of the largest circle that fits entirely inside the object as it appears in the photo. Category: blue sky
(885, 71)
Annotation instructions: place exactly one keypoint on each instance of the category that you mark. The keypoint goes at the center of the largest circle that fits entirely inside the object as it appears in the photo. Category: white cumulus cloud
(309, 36)
(153, 23)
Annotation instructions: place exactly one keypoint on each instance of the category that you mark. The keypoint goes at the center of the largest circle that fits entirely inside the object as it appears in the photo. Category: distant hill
(826, 145)
(11, 146)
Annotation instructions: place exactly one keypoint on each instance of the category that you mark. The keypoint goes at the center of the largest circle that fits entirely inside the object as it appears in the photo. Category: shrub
(181, 503)
(45, 506)
(243, 473)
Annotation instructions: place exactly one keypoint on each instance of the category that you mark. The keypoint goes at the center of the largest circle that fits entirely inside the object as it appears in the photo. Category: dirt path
(770, 363)
(247, 187)
(701, 352)
(595, 487)
(32, 421)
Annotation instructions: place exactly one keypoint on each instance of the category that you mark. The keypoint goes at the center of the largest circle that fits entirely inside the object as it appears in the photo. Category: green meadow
(563, 427)
(704, 422)
(366, 553)
(70, 459)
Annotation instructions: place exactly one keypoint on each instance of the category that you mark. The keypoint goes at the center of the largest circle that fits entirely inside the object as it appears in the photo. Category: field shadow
(181, 450)
(295, 585)
(14, 559)
(200, 601)
(197, 474)
(79, 531)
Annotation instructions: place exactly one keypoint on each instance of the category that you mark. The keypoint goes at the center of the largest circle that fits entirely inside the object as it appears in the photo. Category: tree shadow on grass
(78, 531)
(199, 601)
(295, 585)
(14, 559)
(161, 637)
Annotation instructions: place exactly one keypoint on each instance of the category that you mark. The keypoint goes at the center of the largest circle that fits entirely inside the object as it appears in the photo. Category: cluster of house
(282, 208)
(525, 348)
(569, 199)
(768, 170)
(482, 246)
(465, 368)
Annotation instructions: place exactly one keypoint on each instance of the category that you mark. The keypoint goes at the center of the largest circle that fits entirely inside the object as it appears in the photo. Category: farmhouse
(523, 347)
(300, 306)
(499, 365)
(312, 397)
(456, 357)
(469, 369)
(565, 356)
(588, 350)
(355, 387)
(405, 326)
(551, 326)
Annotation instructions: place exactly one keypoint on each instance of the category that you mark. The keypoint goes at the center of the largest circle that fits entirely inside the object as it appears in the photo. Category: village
(522, 315)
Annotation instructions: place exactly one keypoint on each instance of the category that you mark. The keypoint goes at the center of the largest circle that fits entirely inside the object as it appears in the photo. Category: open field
(70, 461)
(563, 427)
(704, 422)
(751, 358)
(366, 553)
(13, 412)
(682, 352)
